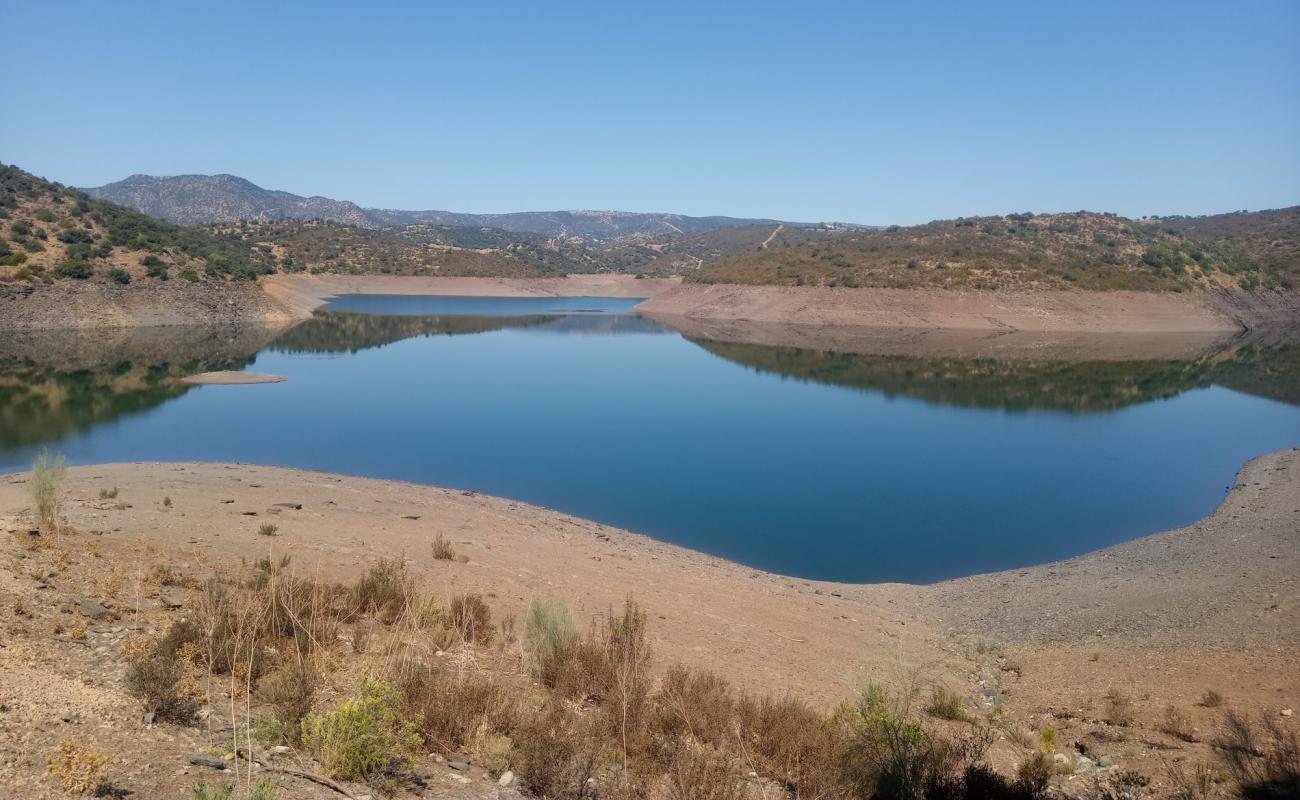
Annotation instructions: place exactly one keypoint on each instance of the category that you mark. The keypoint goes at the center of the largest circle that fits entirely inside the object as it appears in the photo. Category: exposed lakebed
(856, 466)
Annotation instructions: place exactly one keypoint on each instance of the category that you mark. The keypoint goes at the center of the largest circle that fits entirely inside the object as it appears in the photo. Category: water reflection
(57, 383)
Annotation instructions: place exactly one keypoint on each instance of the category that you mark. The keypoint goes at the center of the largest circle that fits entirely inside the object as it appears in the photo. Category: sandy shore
(1057, 311)
(1161, 619)
(1226, 588)
(282, 299)
(305, 293)
(673, 302)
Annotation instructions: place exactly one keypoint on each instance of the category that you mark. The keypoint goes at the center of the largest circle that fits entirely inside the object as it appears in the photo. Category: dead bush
(442, 549)
(1263, 761)
(157, 679)
(471, 617)
(700, 772)
(557, 753)
(79, 767)
(454, 709)
(1119, 709)
(791, 744)
(1177, 724)
(695, 705)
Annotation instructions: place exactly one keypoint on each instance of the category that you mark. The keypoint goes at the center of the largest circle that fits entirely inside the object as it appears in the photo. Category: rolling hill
(1027, 251)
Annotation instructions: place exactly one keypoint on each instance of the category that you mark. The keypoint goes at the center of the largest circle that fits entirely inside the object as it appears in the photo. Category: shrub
(552, 639)
(74, 268)
(889, 755)
(366, 737)
(792, 743)
(119, 275)
(695, 705)
(700, 772)
(289, 691)
(190, 275)
(1177, 724)
(108, 494)
(262, 790)
(454, 709)
(1211, 699)
(384, 590)
(46, 483)
(557, 753)
(156, 677)
(471, 617)
(158, 270)
(45, 215)
(1265, 765)
(945, 704)
(267, 529)
(1119, 709)
(79, 767)
(442, 549)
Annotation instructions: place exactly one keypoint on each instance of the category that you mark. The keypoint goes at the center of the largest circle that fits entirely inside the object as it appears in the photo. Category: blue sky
(864, 112)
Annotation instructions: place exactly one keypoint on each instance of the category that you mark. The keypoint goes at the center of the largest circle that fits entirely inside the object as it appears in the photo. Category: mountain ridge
(196, 199)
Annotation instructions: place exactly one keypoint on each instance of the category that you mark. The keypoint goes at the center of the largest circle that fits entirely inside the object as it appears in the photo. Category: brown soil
(103, 304)
(1162, 619)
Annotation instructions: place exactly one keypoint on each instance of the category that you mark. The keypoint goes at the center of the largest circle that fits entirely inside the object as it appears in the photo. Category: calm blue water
(887, 471)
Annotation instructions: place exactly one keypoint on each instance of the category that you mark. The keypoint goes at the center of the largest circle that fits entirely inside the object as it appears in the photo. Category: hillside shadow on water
(57, 383)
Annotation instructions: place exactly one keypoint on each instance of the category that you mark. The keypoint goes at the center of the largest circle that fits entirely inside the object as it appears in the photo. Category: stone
(1106, 762)
(506, 778)
(149, 718)
(207, 761)
(459, 762)
(1286, 712)
(92, 608)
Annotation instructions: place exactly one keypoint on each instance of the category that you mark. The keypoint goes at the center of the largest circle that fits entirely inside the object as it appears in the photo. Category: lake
(868, 464)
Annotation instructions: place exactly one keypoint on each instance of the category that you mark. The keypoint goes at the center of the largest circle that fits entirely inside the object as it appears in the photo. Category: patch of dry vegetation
(1026, 251)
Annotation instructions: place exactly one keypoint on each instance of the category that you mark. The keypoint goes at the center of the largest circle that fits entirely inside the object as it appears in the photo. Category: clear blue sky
(857, 111)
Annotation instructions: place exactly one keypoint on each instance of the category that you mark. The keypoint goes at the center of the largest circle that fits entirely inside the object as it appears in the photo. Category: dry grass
(442, 549)
(46, 486)
(79, 767)
(1211, 699)
(1119, 709)
(471, 617)
(267, 529)
(1178, 724)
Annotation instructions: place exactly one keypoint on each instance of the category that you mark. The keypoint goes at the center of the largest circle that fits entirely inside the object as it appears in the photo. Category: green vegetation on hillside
(49, 231)
(1271, 371)
(1087, 250)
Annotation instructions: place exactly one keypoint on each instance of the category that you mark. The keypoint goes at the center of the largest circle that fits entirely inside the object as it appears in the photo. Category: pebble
(506, 778)
(1286, 712)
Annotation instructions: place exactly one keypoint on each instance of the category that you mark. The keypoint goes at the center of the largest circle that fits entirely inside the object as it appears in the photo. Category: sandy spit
(231, 378)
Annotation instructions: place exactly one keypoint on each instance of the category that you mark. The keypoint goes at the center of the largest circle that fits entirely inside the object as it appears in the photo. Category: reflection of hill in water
(350, 332)
(1266, 370)
(59, 383)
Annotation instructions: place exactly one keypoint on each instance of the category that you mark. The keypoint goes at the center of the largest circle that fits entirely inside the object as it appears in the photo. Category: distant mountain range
(203, 199)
